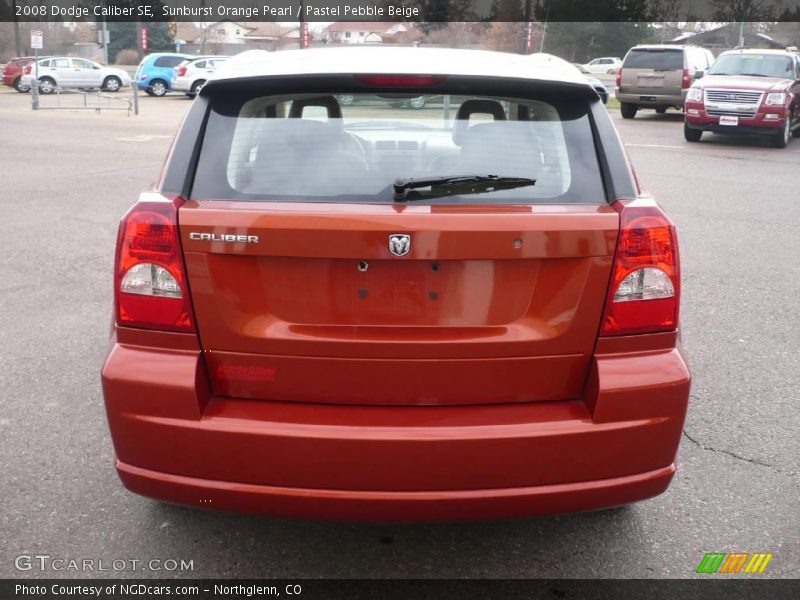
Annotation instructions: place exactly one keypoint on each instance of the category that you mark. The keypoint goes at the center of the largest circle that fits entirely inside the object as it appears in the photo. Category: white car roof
(399, 61)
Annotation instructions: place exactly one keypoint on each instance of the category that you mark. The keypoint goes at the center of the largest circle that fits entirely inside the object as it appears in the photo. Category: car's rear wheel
(47, 85)
(158, 88)
(780, 139)
(691, 135)
(196, 87)
(21, 87)
(112, 84)
(627, 110)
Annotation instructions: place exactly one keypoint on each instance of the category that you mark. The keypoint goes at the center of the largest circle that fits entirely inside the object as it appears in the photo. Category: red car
(468, 311)
(747, 92)
(12, 73)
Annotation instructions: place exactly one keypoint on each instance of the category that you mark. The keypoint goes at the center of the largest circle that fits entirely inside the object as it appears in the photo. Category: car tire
(417, 103)
(661, 109)
(691, 135)
(18, 85)
(612, 71)
(158, 88)
(346, 99)
(780, 139)
(196, 87)
(628, 110)
(112, 84)
(47, 85)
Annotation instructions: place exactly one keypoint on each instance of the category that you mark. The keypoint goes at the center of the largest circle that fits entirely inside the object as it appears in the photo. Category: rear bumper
(180, 84)
(646, 99)
(176, 442)
(348, 505)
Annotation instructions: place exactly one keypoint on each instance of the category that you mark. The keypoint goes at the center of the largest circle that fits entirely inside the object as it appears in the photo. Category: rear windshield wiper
(753, 75)
(406, 189)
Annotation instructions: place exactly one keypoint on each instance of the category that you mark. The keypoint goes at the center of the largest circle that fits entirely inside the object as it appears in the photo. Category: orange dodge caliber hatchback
(375, 312)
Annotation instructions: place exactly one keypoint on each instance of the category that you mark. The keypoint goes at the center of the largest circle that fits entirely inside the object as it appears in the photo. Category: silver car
(190, 76)
(69, 72)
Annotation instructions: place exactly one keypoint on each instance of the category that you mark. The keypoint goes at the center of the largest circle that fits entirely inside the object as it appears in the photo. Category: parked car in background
(13, 72)
(69, 72)
(606, 64)
(658, 76)
(747, 92)
(191, 74)
(403, 318)
(154, 73)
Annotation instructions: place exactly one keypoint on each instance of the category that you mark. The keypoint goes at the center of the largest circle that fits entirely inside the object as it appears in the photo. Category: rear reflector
(644, 294)
(400, 80)
(150, 281)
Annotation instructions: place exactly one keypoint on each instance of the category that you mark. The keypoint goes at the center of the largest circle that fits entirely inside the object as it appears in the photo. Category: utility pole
(303, 27)
(17, 44)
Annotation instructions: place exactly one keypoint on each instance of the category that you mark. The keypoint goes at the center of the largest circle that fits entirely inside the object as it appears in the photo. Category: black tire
(691, 135)
(196, 87)
(47, 85)
(627, 110)
(158, 88)
(661, 109)
(780, 139)
(112, 83)
(149, 92)
(22, 89)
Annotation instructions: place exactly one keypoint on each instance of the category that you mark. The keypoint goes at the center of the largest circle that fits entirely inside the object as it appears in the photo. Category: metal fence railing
(97, 100)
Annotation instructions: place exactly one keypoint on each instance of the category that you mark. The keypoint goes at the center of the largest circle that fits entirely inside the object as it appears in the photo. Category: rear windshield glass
(757, 65)
(654, 59)
(352, 148)
(168, 61)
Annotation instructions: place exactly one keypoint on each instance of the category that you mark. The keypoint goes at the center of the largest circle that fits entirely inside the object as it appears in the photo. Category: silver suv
(658, 76)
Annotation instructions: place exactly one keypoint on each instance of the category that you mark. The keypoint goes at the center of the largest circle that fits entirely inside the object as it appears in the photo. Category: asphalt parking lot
(67, 176)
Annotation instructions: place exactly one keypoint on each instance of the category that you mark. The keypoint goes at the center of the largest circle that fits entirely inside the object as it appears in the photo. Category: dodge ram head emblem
(399, 243)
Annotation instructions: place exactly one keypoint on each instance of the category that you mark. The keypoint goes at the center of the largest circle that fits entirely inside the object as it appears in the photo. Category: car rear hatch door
(389, 303)
(653, 69)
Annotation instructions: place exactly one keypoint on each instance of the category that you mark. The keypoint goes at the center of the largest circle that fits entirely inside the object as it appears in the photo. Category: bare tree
(743, 10)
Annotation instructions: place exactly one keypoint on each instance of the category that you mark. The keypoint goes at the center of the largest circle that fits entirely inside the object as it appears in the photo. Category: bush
(128, 56)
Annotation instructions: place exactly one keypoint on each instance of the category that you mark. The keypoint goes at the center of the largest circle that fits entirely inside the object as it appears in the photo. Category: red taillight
(181, 71)
(150, 286)
(400, 80)
(644, 294)
(28, 70)
(619, 77)
(687, 79)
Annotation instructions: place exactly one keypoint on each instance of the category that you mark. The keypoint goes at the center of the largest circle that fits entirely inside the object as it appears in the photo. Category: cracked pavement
(67, 178)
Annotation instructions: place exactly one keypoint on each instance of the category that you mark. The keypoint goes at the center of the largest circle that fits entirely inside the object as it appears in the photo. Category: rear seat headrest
(327, 102)
(473, 107)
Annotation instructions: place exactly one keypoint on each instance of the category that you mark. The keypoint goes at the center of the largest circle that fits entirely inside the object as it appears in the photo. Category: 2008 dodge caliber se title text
(467, 311)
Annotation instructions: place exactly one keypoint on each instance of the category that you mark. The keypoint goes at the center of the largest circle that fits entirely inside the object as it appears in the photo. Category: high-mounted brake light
(150, 289)
(400, 80)
(644, 294)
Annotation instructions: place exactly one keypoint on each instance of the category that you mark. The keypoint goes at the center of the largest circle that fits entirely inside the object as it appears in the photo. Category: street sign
(37, 40)
(143, 39)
